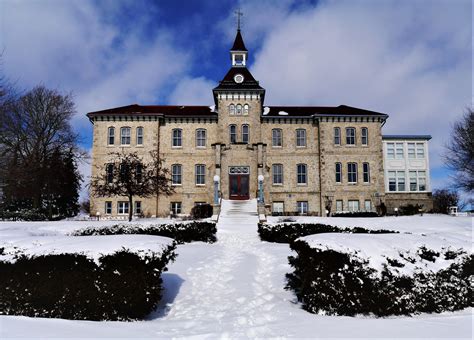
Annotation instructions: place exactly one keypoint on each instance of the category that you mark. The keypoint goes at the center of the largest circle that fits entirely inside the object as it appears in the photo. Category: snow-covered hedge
(204, 231)
(379, 274)
(84, 278)
(286, 232)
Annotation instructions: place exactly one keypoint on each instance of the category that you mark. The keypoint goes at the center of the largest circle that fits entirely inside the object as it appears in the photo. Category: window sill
(139, 146)
(176, 185)
(125, 146)
(277, 184)
(301, 147)
(277, 146)
(302, 184)
(201, 185)
(176, 147)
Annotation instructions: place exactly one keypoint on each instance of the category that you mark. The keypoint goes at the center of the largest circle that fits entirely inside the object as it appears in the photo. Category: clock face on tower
(238, 78)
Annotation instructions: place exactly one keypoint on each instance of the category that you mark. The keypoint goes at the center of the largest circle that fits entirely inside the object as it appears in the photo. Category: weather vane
(238, 13)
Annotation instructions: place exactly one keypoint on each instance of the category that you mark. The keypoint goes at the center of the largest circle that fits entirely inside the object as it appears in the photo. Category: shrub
(287, 232)
(201, 211)
(409, 209)
(181, 232)
(121, 286)
(336, 283)
(356, 214)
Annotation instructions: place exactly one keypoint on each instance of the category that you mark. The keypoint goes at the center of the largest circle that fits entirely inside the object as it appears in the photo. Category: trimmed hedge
(182, 232)
(334, 283)
(287, 232)
(122, 286)
(201, 211)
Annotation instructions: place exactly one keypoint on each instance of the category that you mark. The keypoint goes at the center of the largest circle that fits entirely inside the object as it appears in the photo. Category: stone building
(312, 159)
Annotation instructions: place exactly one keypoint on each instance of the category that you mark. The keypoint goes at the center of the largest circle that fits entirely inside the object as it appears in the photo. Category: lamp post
(260, 189)
(216, 189)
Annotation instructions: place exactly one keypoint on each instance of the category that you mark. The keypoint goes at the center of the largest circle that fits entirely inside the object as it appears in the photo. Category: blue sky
(411, 59)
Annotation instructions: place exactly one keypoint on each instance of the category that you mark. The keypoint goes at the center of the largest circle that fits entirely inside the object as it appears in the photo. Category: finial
(238, 13)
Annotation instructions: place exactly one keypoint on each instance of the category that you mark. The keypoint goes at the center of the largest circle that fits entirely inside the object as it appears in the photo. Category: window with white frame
(338, 173)
(301, 173)
(350, 136)
(246, 109)
(176, 208)
(300, 137)
(353, 205)
(123, 208)
(411, 150)
(201, 138)
(337, 136)
(138, 173)
(232, 109)
(176, 174)
(365, 136)
(111, 136)
(366, 172)
(200, 170)
(368, 205)
(302, 207)
(108, 208)
(417, 180)
(420, 150)
(339, 205)
(139, 135)
(138, 208)
(277, 172)
(352, 172)
(177, 136)
(238, 109)
(399, 150)
(125, 136)
(278, 208)
(391, 150)
(277, 139)
(233, 134)
(396, 180)
(245, 134)
(109, 173)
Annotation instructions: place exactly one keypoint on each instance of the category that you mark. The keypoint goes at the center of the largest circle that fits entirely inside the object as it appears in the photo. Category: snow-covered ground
(234, 288)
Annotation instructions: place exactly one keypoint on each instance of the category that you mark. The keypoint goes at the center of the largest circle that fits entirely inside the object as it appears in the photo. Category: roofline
(411, 137)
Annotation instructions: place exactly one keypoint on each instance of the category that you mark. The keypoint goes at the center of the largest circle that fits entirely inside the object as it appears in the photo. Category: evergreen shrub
(201, 211)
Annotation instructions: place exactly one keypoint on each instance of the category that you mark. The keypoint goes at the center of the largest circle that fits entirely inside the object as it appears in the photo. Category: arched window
(111, 136)
(177, 135)
(350, 136)
(139, 135)
(246, 109)
(239, 109)
(245, 134)
(232, 109)
(352, 172)
(233, 134)
(301, 172)
(301, 137)
(338, 173)
(201, 138)
(365, 136)
(176, 174)
(125, 136)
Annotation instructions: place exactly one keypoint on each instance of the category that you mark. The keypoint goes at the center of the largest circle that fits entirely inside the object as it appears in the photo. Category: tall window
(339, 206)
(108, 207)
(301, 172)
(122, 208)
(417, 180)
(232, 109)
(366, 172)
(411, 150)
(420, 150)
(302, 207)
(390, 150)
(139, 135)
(396, 181)
(176, 172)
(201, 138)
(233, 134)
(399, 150)
(125, 136)
(365, 136)
(277, 170)
(245, 134)
(352, 172)
(350, 136)
(278, 208)
(109, 173)
(337, 136)
(138, 207)
(338, 173)
(238, 110)
(177, 136)
(175, 208)
(277, 139)
(246, 109)
(111, 136)
(353, 205)
(200, 170)
(138, 173)
(368, 205)
(300, 137)
(124, 172)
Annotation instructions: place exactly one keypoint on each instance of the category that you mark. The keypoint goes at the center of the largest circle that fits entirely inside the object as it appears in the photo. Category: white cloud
(193, 91)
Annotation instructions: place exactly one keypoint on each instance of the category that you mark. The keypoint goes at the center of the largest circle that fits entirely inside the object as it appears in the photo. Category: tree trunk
(130, 209)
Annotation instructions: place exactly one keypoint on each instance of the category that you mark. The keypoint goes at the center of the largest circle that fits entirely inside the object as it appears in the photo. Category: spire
(238, 43)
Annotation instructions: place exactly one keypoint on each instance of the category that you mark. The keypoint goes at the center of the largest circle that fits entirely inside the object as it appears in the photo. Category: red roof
(157, 110)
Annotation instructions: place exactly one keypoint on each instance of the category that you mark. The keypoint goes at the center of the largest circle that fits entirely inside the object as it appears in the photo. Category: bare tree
(129, 176)
(443, 199)
(459, 155)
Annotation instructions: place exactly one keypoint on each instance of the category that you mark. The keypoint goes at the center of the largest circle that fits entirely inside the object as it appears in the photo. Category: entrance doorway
(239, 183)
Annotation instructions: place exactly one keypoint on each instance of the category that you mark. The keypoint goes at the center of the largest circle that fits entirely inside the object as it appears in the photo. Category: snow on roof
(93, 247)
(266, 110)
(283, 113)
